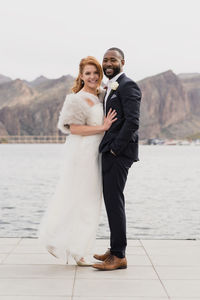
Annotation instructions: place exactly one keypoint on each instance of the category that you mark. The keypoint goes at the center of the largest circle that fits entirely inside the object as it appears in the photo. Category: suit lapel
(111, 93)
(109, 96)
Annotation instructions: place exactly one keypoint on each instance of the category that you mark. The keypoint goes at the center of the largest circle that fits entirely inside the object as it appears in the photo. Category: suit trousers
(115, 171)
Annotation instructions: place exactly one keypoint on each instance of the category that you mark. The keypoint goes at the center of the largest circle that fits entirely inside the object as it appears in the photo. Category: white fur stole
(74, 111)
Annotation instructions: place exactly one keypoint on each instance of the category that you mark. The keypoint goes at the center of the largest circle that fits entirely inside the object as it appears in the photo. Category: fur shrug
(74, 111)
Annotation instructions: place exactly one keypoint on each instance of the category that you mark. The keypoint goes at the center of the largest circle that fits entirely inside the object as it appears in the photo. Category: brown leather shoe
(112, 262)
(103, 256)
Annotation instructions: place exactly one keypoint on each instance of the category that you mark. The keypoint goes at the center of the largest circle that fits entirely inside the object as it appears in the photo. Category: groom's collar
(115, 78)
(120, 77)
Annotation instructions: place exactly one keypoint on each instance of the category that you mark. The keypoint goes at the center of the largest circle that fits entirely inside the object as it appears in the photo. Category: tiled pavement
(157, 270)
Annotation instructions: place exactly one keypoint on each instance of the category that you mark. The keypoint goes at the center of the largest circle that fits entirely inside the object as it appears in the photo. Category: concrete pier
(157, 270)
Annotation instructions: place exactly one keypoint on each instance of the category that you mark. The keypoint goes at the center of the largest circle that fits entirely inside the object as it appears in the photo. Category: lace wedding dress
(70, 222)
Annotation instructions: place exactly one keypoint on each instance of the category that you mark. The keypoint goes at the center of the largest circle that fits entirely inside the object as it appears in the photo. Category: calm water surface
(162, 191)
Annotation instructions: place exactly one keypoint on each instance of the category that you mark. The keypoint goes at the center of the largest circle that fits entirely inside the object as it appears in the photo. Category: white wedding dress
(71, 220)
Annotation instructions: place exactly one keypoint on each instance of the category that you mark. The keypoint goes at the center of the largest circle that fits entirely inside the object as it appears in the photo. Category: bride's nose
(92, 76)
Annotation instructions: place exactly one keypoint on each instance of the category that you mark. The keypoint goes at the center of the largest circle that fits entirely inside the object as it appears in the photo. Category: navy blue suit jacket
(122, 137)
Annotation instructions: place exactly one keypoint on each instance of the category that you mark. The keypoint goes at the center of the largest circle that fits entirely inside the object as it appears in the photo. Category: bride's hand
(109, 119)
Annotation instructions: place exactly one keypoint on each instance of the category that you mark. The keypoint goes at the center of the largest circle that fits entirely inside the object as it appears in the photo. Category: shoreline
(5, 140)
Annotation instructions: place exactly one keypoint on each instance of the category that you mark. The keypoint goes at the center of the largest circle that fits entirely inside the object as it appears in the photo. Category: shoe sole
(120, 268)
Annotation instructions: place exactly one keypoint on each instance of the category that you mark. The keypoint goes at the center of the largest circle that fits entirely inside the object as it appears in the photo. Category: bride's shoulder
(72, 112)
(73, 99)
(74, 102)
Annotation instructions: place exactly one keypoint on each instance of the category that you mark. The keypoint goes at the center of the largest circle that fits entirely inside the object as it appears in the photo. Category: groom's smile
(112, 63)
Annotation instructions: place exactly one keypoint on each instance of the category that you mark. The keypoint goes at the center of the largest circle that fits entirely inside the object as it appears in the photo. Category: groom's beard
(116, 71)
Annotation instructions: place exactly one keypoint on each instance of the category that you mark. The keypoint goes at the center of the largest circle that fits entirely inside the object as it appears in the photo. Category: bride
(70, 223)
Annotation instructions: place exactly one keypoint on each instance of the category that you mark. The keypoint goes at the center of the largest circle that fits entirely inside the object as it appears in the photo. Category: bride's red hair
(90, 60)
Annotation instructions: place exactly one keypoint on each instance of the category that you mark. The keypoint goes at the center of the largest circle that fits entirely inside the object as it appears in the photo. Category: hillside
(170, 105)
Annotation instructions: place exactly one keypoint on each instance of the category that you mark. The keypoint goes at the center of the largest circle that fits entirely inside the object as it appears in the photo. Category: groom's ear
(123, 62)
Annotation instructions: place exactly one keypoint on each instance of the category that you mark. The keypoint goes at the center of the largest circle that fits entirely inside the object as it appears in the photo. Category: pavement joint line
(93, 298)
(120, 279)
(7, 254)
(51, 278)
(156, 271)
(21, 239)
(141, 244)
(15, 246)
(38, 295)
(76, 268)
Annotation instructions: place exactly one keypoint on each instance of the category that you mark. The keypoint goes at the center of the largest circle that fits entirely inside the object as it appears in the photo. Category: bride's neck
(91, 91)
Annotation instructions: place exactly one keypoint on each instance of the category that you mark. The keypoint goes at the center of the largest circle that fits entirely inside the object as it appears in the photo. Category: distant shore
(32, 139)
(59, 139)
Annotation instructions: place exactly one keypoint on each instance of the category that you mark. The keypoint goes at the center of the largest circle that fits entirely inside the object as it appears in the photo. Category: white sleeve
(74, 111)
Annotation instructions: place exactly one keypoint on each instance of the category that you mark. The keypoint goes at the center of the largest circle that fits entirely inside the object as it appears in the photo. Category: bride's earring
(82, 82)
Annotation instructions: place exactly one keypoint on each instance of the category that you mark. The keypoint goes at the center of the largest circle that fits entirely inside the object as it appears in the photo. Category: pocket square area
(113, 97)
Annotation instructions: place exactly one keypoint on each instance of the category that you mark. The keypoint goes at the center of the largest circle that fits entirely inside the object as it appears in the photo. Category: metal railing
(32, 139)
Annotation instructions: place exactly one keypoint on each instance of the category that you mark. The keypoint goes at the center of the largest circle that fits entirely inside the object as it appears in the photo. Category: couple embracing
(101, 147)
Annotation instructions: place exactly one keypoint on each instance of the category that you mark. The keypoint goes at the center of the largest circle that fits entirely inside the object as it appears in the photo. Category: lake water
(162, 191)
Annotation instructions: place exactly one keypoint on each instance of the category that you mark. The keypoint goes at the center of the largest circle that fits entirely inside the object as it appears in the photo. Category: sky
(49, 37)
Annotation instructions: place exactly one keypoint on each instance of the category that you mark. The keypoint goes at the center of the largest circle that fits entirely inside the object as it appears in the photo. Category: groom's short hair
(118, 50)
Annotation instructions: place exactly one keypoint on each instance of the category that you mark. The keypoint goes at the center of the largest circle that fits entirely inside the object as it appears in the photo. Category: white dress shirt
(109, 83)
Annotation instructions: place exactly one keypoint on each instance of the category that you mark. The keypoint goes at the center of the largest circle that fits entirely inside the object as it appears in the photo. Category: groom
(119, 148)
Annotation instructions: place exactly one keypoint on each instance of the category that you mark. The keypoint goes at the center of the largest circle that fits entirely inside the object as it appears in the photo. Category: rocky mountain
(32, 110)
(170, 105)
(4, 79)
(16, 92)
(188, 75)
(191, 85)
(37, 81)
